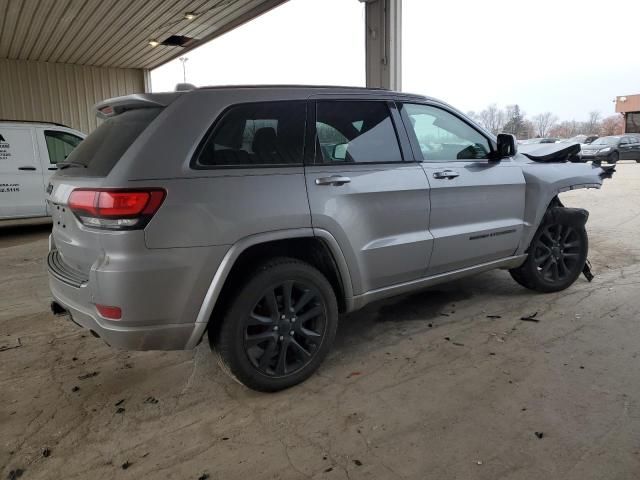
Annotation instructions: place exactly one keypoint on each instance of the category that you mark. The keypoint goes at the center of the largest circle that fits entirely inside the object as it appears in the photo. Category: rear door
(21, 186)
(366, 190)
(477, 205)
(635, 143)
(626, 148)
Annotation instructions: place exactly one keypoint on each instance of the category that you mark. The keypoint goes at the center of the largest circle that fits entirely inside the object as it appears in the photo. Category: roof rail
(34, 121)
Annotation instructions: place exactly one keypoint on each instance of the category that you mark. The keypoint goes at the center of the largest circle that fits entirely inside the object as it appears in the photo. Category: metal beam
(383, 29)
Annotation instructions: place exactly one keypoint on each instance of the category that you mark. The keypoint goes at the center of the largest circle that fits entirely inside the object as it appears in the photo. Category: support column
(383, 29)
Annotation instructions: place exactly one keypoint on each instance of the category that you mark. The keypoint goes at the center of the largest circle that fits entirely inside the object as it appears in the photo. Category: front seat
(265, 146)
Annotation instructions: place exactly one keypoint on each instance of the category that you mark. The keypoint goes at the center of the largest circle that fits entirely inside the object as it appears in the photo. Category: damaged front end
(549, 171)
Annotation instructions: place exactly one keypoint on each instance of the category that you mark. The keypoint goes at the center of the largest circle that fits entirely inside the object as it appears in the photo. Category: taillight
(116, 209)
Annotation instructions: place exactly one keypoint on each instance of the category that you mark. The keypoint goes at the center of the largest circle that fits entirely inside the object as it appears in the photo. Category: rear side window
(255, 134)
(355, 132)
(60, 145)
(102, 149)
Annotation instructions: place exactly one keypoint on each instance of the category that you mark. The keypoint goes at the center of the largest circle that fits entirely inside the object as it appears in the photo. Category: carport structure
(60, 57)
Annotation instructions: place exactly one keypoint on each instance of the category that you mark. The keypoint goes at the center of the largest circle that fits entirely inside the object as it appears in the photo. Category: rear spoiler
(115, 106)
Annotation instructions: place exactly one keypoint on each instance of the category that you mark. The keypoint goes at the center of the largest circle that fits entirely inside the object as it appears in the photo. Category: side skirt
(360, 301)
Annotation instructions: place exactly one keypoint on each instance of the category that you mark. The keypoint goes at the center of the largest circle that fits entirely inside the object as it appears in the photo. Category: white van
(29, 153)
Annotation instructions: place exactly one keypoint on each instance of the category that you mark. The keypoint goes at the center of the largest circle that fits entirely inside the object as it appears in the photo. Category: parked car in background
(30, 153)
(613, 148)
(582, 139)
(259, 214)
(540, 140)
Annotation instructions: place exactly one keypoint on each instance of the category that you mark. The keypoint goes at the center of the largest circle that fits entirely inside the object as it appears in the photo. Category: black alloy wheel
(277, 326)
(285, 328)
(557, 252)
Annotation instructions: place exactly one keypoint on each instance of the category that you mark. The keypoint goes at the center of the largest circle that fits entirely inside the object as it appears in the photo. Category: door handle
(52, 168)
(445, 174)
(26, 168)
(334, 180)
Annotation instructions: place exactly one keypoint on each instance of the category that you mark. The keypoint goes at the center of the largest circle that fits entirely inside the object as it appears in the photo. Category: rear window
(102, 149)
(255, 134)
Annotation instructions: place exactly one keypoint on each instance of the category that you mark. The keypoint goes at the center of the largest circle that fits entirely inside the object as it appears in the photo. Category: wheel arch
(317, 247)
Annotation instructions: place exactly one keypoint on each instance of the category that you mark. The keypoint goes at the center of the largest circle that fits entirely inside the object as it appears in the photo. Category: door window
(256, 134)
(60, 145)
(355, 132)
(442, 136)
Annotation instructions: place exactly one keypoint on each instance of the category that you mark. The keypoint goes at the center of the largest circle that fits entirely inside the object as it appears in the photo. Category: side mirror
(507, 146)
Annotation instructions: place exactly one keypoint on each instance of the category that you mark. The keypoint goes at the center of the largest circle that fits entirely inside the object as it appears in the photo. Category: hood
(549, 152)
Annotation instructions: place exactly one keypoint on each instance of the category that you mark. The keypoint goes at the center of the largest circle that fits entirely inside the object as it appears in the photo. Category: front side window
(443, 137)
(256, 134)
(60, 145)
(355, 132)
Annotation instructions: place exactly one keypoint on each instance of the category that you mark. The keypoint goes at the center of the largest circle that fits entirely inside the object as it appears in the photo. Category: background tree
(593, 124)
(492, 118)
(543, 123)
(515, 123)
(613, 125)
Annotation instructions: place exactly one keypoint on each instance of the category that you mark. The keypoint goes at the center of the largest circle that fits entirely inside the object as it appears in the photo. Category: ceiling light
(190, 15)
(154, 43)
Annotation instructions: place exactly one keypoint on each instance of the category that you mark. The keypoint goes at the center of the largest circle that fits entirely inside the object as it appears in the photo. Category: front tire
(556, 256)
(279, 327)
(613, 158)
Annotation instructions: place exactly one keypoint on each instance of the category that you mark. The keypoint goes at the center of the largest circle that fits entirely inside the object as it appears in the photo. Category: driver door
(477, 205)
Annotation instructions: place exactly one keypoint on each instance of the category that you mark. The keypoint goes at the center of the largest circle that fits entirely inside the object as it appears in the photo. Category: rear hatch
(81, 227)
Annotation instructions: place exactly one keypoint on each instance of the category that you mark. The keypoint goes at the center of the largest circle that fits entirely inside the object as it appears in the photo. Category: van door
(477, 205)
(361, 190)
(22, 192)
(54, 145)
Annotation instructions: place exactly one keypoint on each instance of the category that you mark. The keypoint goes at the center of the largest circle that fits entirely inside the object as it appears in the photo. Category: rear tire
(556, 256)
(279, 327)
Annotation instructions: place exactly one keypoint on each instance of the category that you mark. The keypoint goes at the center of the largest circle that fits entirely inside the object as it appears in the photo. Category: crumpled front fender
(544, 181)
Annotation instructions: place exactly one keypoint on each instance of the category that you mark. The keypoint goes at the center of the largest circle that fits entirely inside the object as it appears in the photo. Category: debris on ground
(354, 374)
(457, 344)
(120, 410)
(492, 353)
(539, 434)
(87, 375)
(151, 400)
(530, 318)
(448, 339)
(494, 316)
(358, 463)
(126, 465)
(430, 325)
(444, 314)
(15, 474)
(204, 476)
(119, 402)
(479, 462)
(46, 451)
(75, 389)
(327, 470)
(4, 348)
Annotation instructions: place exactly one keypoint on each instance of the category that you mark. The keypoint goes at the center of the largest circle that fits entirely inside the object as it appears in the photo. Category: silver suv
(259, 214)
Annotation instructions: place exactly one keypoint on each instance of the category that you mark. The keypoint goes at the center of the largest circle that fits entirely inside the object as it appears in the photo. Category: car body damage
(545, 181)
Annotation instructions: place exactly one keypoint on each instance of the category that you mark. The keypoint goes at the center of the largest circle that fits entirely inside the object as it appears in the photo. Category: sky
(569, 57)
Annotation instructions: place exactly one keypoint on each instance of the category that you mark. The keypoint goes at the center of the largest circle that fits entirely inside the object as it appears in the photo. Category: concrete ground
(425, 386)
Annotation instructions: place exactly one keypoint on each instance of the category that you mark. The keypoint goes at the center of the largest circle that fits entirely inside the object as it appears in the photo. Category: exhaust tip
(58, 309)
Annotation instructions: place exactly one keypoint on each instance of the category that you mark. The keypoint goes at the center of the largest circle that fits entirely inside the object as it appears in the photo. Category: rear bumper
(77, 301)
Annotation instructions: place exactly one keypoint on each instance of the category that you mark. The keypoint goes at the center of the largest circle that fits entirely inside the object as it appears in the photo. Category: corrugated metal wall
(63, 93)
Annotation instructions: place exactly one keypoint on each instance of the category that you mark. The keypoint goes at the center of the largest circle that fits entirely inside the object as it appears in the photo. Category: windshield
(606, 141)
(101, 150)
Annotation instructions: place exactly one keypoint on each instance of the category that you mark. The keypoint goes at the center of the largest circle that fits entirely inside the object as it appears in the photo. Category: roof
(116, 33)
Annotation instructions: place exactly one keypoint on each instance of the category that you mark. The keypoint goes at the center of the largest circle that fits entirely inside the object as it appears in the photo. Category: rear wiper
(63, 165)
